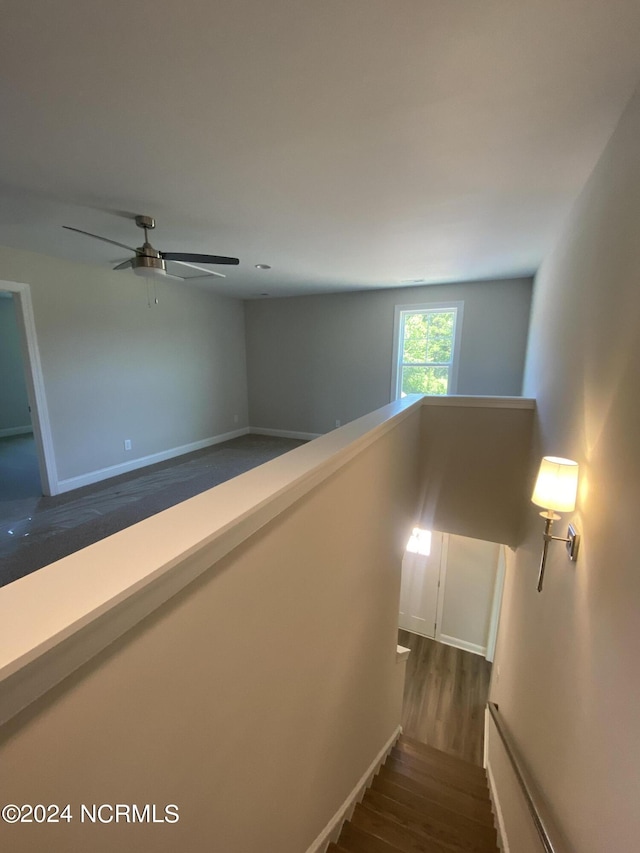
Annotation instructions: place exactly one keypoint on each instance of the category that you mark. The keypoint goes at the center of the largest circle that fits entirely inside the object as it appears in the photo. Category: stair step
(394, 833)
(445, 781)
(421, 804)
(445, 832)
(456, 801)
(473, 799)
(458, 779)
(422, 800)
(437, 758)
(428, 752)
(355, 840)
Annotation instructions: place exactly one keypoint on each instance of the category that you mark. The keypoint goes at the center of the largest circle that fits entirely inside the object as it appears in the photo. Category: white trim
(503, 842)
(399, 310)
(498, 588)
(285, 433)
(478, 401)
(35, 385)
(485, 739)
(456, 400)
(142, 461)
(332, 830)
(462, 644)
(21, 430)
(402, 653)
(442, 578)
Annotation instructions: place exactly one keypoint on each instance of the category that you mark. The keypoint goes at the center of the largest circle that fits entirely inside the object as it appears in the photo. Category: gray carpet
(35, 531)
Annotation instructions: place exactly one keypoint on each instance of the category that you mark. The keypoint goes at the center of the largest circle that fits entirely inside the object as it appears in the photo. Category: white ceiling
(348, 143)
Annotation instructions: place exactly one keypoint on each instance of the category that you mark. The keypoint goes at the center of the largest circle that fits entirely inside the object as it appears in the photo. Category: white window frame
(398, 341)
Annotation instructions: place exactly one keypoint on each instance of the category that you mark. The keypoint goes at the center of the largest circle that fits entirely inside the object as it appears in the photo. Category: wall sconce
(556, 489)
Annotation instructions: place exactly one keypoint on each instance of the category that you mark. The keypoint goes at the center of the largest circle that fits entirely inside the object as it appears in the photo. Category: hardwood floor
(445, 694)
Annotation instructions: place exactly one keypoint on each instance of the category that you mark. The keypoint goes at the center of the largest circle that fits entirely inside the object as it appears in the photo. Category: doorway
(25, 433)
(451, 590)
(422, 566)
(19, 472)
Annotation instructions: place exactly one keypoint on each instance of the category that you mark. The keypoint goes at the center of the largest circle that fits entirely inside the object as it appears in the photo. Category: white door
(420, 588)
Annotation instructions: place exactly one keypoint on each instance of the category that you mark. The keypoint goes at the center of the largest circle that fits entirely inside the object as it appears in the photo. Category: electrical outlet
(337, 424)
(235, 419)
(127, 444)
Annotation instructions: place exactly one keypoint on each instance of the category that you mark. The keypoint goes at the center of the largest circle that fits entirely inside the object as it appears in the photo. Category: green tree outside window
(427, 340)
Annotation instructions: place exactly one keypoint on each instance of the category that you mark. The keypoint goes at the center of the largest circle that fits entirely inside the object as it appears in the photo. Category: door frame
(442, 578)
(494, 624)
(35, 384)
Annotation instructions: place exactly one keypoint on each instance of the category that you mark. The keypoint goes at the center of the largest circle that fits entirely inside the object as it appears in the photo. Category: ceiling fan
(149, 262)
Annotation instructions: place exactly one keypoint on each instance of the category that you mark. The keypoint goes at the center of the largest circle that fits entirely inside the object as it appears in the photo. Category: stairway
(422, 801)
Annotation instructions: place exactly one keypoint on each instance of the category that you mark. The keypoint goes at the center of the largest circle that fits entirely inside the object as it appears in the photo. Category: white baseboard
(124, 467)
(285, 433)
(461, 644)
(22, 430)
(503, 842)
(332, 829)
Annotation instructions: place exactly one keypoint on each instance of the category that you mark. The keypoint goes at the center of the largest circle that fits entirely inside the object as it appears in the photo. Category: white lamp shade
(557, 484)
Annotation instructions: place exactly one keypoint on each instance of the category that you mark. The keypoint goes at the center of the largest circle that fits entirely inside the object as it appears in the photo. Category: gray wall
(164, 376)
(14, 404)
(567, 658)
(316, 359)
(176, 373)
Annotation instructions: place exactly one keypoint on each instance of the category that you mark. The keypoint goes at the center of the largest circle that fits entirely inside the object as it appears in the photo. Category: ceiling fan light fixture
(149, 267)
(150, 263)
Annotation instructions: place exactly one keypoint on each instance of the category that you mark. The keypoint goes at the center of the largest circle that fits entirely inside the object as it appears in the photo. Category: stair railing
(538, 820)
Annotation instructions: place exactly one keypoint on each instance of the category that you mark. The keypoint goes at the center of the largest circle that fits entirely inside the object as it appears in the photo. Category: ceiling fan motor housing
(145, 222)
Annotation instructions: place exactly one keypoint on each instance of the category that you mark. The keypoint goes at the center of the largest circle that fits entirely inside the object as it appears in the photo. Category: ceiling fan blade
(97, 237)
(123, 265)
(198, 259)
(202, 270)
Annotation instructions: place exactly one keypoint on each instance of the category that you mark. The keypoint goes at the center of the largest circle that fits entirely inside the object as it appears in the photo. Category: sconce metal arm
(547, 537)
(573, 540)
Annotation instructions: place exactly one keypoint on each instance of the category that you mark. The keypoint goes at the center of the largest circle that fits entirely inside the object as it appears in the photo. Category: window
(426, 347)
